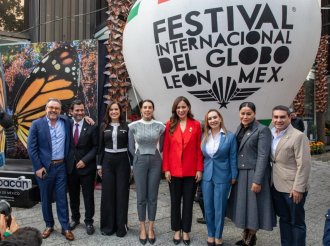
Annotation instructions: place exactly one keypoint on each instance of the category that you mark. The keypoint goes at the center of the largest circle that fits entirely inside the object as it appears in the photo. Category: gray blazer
(254, 150)
(292, 162)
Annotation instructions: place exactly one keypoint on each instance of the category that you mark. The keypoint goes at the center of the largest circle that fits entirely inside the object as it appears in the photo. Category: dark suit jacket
(39, 144)
(298, 124)
(85, 150)
(254, 150)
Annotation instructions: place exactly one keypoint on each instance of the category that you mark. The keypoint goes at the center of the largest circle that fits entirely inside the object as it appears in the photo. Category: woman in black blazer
(114, 168)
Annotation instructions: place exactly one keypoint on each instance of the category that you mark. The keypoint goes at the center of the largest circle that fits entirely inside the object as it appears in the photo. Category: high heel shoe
(152, 240)
(143, 241)
(176, 241)
(186, 241)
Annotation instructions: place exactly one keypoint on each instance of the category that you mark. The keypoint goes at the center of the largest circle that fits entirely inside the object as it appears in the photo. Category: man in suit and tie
(291, 161)
(48, 146)
(81, 166)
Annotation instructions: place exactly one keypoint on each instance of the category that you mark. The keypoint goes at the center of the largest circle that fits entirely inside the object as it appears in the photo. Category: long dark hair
(107, 119)
(175, 118)
(149, 101)
(249, 105)
(144, 101)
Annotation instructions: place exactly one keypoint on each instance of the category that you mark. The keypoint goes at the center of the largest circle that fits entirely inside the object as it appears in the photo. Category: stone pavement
(318, 201)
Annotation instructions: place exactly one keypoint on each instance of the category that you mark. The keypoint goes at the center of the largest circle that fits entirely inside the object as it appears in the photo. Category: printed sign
(15, 183)
(221, 53)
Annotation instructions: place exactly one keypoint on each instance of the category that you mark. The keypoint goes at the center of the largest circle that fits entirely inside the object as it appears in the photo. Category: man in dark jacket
(81, 166)
(296, 122)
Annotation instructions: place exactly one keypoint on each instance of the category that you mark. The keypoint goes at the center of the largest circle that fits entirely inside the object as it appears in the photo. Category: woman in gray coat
(250, 206)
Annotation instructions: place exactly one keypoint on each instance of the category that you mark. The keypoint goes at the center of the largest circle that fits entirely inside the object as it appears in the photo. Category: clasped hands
(3, 225)
(198, 176)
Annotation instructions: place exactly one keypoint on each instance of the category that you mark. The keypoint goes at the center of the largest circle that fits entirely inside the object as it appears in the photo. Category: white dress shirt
(276, 139)
(213, 142)
(80, 124)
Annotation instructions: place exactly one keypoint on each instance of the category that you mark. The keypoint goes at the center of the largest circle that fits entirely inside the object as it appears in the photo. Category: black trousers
(115, 193)
(185, 189)
(86, 182)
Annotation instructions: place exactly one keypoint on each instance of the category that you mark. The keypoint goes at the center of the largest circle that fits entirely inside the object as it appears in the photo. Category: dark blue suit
(40, 153)
(219, 170)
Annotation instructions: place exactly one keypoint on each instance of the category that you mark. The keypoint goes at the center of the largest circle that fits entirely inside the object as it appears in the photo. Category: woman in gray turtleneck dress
(145, 144)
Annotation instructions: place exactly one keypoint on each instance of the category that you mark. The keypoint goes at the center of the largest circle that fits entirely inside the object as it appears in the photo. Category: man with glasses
(48, 146)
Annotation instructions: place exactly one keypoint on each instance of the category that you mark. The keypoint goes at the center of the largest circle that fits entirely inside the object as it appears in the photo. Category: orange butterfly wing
(55, 76)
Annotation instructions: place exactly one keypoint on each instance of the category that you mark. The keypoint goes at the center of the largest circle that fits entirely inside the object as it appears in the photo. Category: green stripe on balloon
(134, 12)
(265, 122)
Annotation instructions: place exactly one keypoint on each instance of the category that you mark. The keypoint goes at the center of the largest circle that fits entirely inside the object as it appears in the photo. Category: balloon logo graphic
(224, 93)
(220, 53)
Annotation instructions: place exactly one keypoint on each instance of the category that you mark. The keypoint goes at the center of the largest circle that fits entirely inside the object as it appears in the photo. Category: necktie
(76, 134)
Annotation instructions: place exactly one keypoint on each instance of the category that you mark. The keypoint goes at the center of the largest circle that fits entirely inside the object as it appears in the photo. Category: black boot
(251, 239)
(245, 234)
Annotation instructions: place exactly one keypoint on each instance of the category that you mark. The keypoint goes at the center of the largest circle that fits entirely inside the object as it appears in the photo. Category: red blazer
(182, 154)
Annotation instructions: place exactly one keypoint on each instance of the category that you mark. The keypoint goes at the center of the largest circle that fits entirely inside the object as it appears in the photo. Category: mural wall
(30, 74)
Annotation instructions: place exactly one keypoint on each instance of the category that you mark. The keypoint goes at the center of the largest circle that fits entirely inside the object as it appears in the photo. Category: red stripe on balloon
(162, 1)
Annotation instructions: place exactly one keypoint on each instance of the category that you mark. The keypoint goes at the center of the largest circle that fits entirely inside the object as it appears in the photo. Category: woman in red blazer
(183, 165)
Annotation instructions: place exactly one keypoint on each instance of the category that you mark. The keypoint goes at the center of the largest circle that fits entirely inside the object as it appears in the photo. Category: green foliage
(11, 15)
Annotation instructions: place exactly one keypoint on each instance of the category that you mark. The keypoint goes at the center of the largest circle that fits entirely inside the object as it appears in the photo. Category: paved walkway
(318, 201)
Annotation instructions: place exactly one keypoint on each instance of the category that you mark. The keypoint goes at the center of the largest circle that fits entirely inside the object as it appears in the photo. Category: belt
(54, 162)
(115, 151)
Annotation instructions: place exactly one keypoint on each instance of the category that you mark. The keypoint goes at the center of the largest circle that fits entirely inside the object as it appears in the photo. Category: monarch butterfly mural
(57, 74)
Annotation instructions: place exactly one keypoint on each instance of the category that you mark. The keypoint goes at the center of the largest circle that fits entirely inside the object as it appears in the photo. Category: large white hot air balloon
(220, 53)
